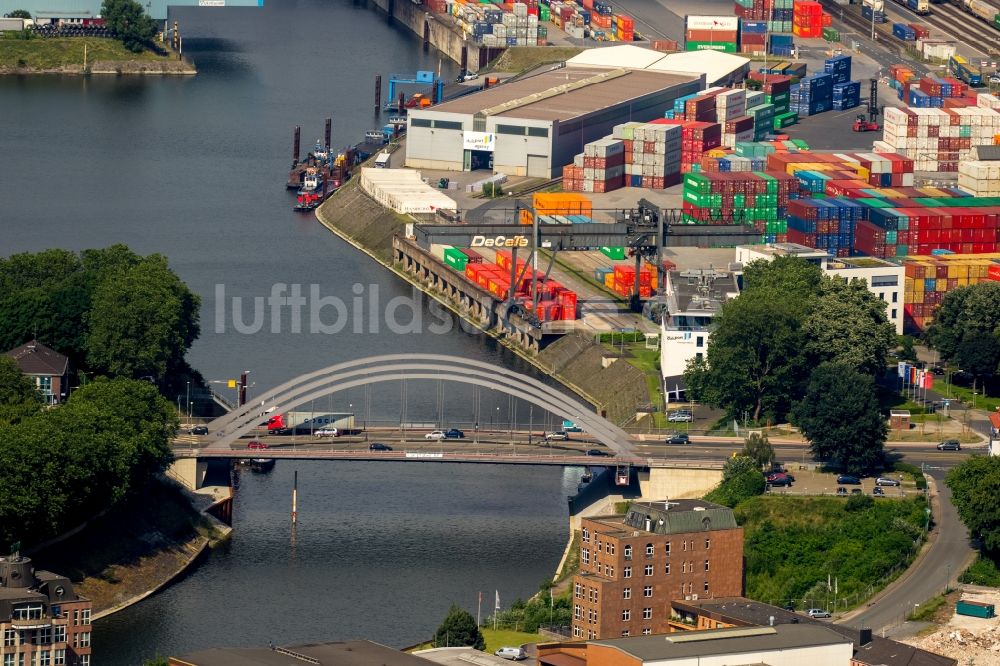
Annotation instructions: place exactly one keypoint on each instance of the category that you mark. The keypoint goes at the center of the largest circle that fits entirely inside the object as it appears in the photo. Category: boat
(396, 120)
(312, 192)
(375, 136)
(262, 464)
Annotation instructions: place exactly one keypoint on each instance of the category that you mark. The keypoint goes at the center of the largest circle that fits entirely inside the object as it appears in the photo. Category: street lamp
(189, 400)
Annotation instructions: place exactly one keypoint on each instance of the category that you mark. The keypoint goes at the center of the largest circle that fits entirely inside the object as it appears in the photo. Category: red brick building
(43, 622)
(633, 566)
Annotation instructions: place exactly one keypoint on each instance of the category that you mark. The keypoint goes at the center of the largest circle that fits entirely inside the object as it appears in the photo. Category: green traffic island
(85, 55)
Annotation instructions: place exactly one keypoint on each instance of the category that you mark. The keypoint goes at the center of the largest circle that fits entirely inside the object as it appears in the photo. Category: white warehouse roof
(715, 65)
(404, 191)
(626, 55)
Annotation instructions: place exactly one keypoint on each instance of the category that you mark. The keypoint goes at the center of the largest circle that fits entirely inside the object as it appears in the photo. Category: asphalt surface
(931, 574)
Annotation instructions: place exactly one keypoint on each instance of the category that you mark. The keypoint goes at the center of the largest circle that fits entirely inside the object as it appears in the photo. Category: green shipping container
(456, 259)
(785, 119)
(616, 253)
(975, 609)
(727, 47)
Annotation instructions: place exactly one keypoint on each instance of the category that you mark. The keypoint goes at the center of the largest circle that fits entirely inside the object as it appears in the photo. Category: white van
(512, 653)
(382, 161)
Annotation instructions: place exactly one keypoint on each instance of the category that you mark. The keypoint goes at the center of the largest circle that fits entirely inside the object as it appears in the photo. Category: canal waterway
(193, 168)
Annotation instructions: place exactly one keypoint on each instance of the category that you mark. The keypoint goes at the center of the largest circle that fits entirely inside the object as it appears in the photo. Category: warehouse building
(718, 68)
(534, 126)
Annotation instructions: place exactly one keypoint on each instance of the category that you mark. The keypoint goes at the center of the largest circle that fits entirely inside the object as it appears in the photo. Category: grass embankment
(59, 53)
(507, 638)
(794, 545)
(984, 571)
(135, 547)
(522, 58)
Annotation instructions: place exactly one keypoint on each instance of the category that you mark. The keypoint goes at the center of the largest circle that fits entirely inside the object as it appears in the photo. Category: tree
(840, 417)
(752, 364)
(741, 480)
(978, 354)
(795, 278)
(757, 447)
(142, 321)
(906, 350)
(975, 492)
(459, 630)
(19, 13)
(129, 22)
(975, 308)
(847, 324)
(18, 397)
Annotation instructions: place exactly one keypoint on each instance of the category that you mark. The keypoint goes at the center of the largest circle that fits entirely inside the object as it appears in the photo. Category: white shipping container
(720, 23)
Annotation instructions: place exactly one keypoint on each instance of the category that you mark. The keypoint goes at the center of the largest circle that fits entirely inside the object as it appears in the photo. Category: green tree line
(59, 466)
(111, 311)
(798, 345)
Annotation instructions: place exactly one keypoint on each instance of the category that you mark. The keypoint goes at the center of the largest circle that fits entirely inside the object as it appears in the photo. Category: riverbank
(85, 55)
(575, 360)
(134, 549)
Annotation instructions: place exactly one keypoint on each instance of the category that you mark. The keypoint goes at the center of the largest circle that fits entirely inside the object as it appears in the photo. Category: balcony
(35, 623)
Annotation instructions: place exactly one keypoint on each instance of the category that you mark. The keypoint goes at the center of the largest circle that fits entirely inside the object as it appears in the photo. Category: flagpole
(479, 609)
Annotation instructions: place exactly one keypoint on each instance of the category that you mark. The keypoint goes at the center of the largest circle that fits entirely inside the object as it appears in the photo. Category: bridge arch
(395, 367)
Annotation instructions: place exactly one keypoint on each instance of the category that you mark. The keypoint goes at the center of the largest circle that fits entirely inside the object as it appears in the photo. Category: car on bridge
(454, 433)
(256, 445)
(557, 436)
(886, 481)
(199, 430)
(679, 438)
(437, 434)
(598, 453)
(378, 446)
(327, 432)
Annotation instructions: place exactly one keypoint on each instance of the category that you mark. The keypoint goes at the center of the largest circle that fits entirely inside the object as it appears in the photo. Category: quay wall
(432, 29)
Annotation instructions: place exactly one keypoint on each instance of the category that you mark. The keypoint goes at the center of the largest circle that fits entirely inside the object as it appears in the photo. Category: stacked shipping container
(776, 14)
(929, 278)
(716, 33)
(937, 139)
(758, 199)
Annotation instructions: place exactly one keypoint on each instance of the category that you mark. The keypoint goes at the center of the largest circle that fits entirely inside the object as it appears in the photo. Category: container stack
(846, 95)
(938, 139)
(825, 224)
(777, 14)
(781, 45)
(622, 280)
(877, 15)
(929, 278)
(716, 33)
(961, 226)
(499, 25)
(753, 37)
(555, 301)
(653, 156)
(979, 178)
(851, 172)
(558, 203)
(812, 95)
(623, 28)
(807, 19)
(758, 199)
(838, 67)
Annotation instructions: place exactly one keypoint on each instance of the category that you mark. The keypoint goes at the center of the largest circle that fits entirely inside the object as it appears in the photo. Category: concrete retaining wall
(431, 28)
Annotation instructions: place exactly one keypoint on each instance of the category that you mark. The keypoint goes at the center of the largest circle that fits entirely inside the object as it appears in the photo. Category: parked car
(327, 432)
(995, 79)
(557, 436)
(781, 480)
(878, 492)
(680, 416)
(679, 438)
(937, 370)
(437, 434)
(841, 490)
(950, 445)
(378, 446)
(199, 430)
(512, 653)
(466, 76)
(454, 433)
(598, 453)
(818, 613)
(855, 491)
(849, 480)
(886, 481)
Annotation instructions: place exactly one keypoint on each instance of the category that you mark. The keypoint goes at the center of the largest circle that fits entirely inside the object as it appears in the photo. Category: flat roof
(715, 65)
(689, 644)
(344, 653)
(785, 249)
(883, 651)
(841, 263)
(700, 291)
(539, 103)
(682, 516)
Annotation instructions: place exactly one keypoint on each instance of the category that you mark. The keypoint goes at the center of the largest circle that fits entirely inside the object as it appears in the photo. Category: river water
(193, 168)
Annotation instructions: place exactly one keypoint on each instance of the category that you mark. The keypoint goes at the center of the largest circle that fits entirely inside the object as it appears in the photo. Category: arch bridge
(398, 367)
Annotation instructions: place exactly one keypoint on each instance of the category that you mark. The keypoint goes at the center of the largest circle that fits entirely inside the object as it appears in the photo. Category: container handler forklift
(870, 124)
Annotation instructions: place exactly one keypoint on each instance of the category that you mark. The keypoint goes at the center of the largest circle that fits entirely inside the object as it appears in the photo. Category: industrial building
(73, 11)
(633, 566)
(785, 645)
(534, 126)
(885, 279)
(694, 298)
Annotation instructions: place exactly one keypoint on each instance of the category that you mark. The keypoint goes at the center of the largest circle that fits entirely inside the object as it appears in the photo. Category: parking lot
(814, 482)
